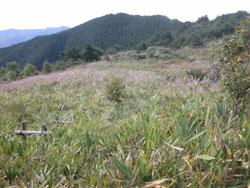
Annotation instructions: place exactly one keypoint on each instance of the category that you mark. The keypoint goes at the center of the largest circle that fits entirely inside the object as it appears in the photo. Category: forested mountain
(15, 36)
(204, 30)
(124, 32)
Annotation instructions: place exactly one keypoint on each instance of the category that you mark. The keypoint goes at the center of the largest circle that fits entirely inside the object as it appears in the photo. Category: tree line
(12, 71)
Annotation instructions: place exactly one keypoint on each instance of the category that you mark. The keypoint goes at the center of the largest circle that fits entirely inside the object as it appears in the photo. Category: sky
(31, 14)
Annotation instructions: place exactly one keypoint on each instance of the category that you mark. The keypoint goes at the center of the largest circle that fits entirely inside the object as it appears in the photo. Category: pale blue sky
(51, 13)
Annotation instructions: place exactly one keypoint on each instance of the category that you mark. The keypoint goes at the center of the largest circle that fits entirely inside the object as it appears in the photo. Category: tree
(12, 71)
(92, 54)
(142, 46)
(29, 70)
(115, 89)
(12, 66)
(73, 54)
(203, 19)
(196, 41)
(2, 73)
(47, 67)
(235, 60)
(10, 76)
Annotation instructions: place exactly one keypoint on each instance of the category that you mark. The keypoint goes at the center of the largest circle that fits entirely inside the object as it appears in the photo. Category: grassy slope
(168, 128)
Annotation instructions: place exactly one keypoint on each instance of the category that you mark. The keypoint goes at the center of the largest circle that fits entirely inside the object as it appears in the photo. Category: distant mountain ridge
(122, 31)
(14, 36)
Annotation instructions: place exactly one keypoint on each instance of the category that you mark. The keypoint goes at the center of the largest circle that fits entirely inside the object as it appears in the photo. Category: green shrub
(10, 72)
(9, 76)
(2, 73)
(92, 54)
(29, 70)
(115, 89)
(47, 67)
(235, 60)
(73, 54)
(197, 74)
(215, 74)
(142, 46)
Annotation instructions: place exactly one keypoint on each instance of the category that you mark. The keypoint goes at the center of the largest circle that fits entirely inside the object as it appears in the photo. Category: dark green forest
(121, 32)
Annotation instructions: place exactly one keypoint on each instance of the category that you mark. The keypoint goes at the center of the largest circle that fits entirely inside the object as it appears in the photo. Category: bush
(159, 52)
(235, 60)
(142, 46)
(92, 54)
(9, 76)
(115, 89)
(215, 74)
(10, 72)
(196, 74)
(47, 67)
(29, 70)
(196, 41)
(2, 73)
(73, 54)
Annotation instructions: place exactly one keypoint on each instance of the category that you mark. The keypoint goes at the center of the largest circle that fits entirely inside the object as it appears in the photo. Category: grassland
(168, 129)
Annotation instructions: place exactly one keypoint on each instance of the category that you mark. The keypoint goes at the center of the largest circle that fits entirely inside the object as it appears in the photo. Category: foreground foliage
(235, 63)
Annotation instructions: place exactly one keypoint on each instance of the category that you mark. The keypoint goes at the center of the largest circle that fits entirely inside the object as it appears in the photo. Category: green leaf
(174, 147)
(196, 136)
(205, 157)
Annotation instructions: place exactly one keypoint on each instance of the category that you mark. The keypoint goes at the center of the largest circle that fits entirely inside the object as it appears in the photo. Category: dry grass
(95, 73)
(87, 74)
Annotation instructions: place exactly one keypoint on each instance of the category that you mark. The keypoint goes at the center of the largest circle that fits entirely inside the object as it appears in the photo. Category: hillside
(112, 30)
(166, 128)
(121, 31)
(15, 36)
